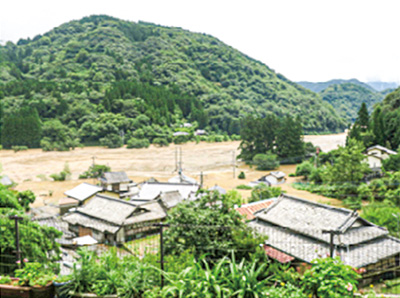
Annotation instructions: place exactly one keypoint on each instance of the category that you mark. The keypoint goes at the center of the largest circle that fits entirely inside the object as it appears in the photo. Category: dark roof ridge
(349, 221)
(103, 196)
(170, 183)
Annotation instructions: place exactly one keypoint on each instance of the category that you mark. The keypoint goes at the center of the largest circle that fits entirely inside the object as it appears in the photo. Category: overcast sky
(301, 39)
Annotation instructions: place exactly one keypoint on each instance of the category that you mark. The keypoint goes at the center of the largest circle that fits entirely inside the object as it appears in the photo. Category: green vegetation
(63, 175)
(244, 186)
(100, 78)
(271, 137)
(263, 191)
(216, 211)
(186, 276)
(265, 162)
(347, 98)
(95, 171)
(329, 277)
(242, 175)
(382, 126)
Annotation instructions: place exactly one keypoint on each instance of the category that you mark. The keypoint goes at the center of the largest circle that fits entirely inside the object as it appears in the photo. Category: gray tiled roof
(115, 177)
(83, 191)
(149, 191)
(112, 210)
(295, 227)
(170, 198)
(307, 249)
(104, 213)
(76, 218)
(149, 212)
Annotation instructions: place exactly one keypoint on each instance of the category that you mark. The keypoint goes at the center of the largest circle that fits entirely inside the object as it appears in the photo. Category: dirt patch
(215, 160)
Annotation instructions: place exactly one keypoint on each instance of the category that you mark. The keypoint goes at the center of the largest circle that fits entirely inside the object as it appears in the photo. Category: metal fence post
(161, 226)
(18, 251)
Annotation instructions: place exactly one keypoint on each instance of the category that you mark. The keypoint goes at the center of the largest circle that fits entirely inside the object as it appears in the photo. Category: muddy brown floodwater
(31, 168)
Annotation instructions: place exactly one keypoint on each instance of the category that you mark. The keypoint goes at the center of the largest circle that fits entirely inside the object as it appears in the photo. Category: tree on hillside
(58, 137)
(22, 128)
(349, 166)
(363, 118)
(378, 127)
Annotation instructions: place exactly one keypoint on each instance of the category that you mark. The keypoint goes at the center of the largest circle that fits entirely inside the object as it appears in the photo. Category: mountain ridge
(92, 54)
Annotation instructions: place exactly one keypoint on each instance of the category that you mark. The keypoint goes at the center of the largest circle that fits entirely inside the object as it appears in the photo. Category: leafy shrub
(111, 141)
(304, 169)
(392, 163)
(243, 186)
(62, 176)
(235, 137)
(242, 175)
(265, 161)
(161, 142)
(138, 143)
(95, 171)
(329, 277)
(19, 148)
(263, 191)
(181, 139)
(109, 274)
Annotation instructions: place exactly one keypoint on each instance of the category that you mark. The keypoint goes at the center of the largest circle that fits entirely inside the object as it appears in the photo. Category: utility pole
(234, 163)
(180, 161)
(201, 180)
(93, 164)
(161, 226)
(18, 251)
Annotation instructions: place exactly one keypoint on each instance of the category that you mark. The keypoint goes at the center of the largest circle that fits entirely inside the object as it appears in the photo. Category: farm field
(31, 168)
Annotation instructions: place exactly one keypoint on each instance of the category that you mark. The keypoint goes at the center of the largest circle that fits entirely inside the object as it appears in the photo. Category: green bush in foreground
(329, 277)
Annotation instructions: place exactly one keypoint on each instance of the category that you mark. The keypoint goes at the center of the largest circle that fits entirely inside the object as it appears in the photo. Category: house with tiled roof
(115, 181)
(78, 196)
(306, 230)
(376, 154)
(248, 210)
(113, 220)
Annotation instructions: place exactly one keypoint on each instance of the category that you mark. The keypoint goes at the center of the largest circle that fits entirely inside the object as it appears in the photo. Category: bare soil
(31, 168)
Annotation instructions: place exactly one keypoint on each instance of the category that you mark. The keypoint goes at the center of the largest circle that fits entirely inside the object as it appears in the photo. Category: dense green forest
(321, 86)
(100, 78)
(382, 127)
(346, 96)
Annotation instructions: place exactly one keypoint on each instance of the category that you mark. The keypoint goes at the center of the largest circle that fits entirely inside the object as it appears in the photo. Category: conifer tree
(363, 118)
(378, 126)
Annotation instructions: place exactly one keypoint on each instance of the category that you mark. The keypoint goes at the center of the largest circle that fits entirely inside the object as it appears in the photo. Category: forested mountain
(320, 86)
(347, 98)
(382, 127)
(382, 86)
(100, 78)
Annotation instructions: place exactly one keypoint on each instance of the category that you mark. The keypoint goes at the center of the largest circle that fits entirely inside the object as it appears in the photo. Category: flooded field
(31, 168)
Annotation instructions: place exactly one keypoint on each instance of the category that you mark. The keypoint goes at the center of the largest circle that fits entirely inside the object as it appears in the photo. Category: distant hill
(320, 86)
(382, 86)
(101, 76)
(347, 98)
